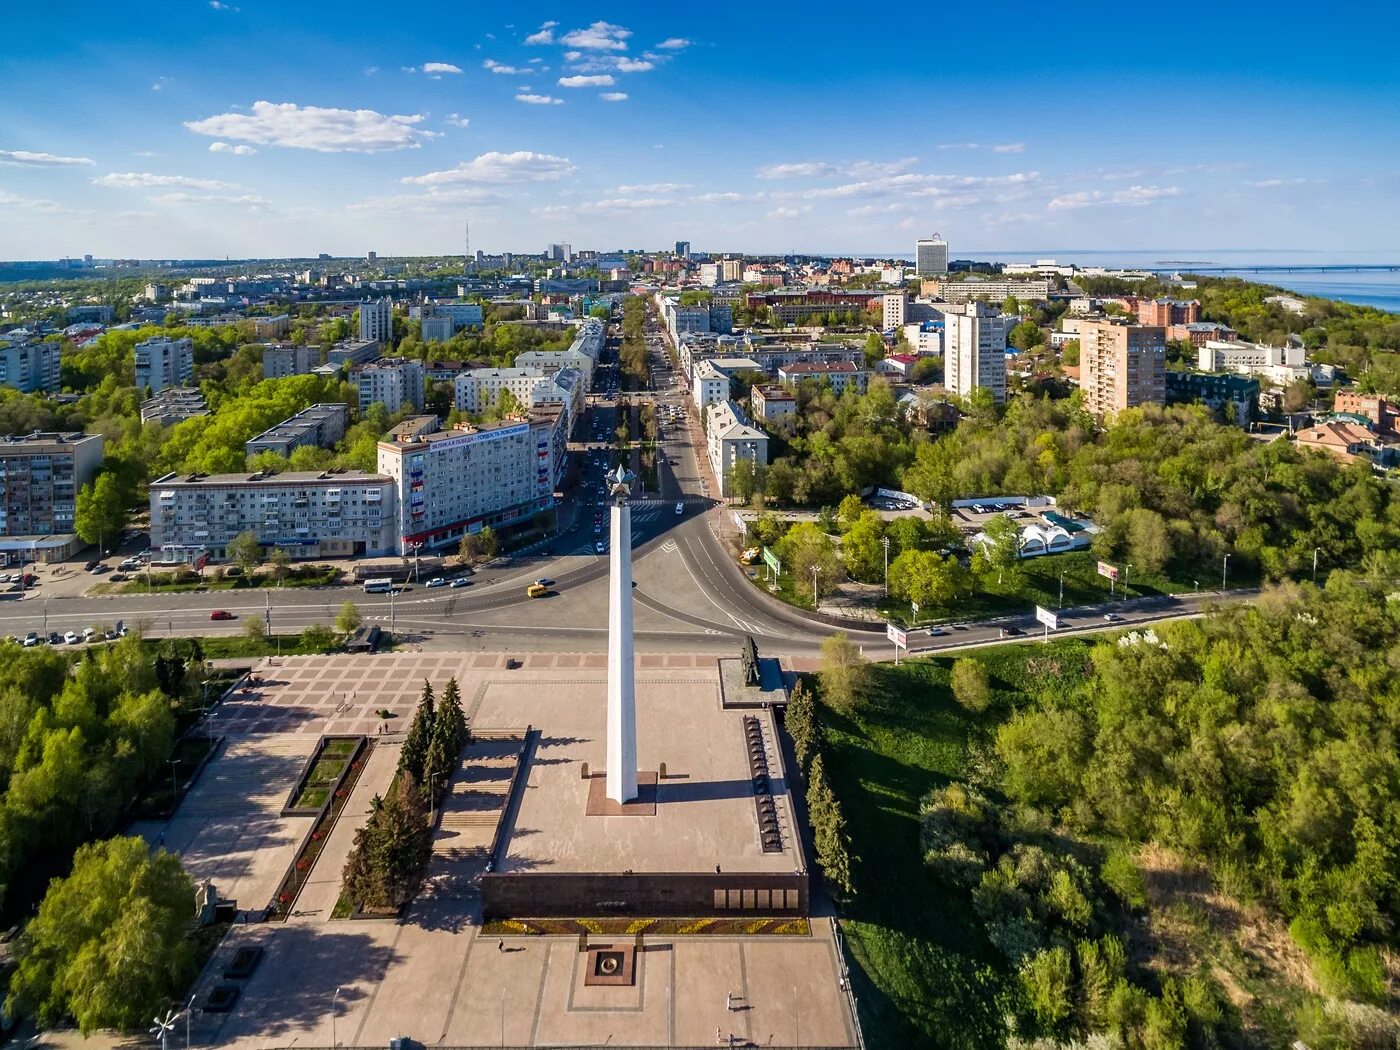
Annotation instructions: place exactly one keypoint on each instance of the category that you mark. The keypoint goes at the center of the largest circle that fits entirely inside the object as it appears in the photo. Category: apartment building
(582, 355)
(839, 375)
(1235, 397)
(931, 256)
(377, 321)
(1122, 365)
(30, 367)
(729, 438)
(320, 425)
(397, 383)
(353, 352)
(1167, 312)
(1380, 411)
(797, 305)
(173, 405)
(330, 514)
(451, 483)
(772, 402)
(989, 289)
(1236, 355)
(40, 475)
(164, 362)
(478, 389)
(437, 329)
(974, 349)
(893, 307)
(274, 327)
(283, 359)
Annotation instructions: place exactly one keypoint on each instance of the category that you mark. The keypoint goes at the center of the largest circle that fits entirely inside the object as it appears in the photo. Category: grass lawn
(227, 646)
(167, 582)
(926, 975)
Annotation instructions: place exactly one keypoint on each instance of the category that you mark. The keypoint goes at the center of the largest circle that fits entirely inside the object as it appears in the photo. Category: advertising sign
(1110, 571)
(1045, 616)
(770, 559)
(897, 635)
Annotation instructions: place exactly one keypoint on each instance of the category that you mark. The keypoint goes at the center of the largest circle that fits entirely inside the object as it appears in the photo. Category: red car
(221, 614)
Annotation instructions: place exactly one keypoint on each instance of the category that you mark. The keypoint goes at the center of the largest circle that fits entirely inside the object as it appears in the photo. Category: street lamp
(334, 997)
(174, 789)
(1315, 550)
(1224, 572)
(816, 570)
(187, 1021)
(1062, 589)
(885, 542)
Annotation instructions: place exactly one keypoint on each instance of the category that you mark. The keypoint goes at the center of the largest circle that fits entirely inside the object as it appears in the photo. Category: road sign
(915, 607)
(1048, 618)
(897, 635)
(770, 559)
(1110, 571)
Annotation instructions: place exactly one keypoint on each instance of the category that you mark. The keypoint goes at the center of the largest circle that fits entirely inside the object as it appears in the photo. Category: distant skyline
(206, 128)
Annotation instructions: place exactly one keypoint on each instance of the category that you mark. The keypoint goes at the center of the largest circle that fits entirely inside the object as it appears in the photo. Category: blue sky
(254, 128)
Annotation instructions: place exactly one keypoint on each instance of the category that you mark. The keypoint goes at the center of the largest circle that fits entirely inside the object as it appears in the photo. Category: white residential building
(40, 475)
(308, 514)
(438, 329)
(710, 380)
(452, 483)
(478, 389)
(377, 321)
(974, 349)
(321, 425)
(287, 360)
(394, 382)
(931, 256)
(894, 304)
(1245, 358)
(30, 367)
(729, 438)
(164, 362)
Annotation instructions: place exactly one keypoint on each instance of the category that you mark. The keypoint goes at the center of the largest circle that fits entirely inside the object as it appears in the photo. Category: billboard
(897, 635)
(1110, 571)
(1045, 616)
(770, 559)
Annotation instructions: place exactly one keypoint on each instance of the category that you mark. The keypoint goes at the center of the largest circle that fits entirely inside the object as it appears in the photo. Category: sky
(254, 128)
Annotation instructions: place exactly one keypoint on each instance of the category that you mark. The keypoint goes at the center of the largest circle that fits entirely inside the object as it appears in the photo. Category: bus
(536, 590)
(380, 586)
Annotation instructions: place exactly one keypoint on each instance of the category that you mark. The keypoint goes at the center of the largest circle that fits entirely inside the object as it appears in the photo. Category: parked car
(55, 638)
(71, 637)
(1112, 617)
(31, 639)
(461, 581)
(436, 581)
(680, 508)
(221, 614)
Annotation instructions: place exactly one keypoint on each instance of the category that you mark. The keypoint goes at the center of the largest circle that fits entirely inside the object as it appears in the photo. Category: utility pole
(816, 570)
(885, 542)
(1224, 572)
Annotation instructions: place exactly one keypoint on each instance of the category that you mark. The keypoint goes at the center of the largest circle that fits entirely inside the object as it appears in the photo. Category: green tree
(1026, 335)
(254, 629)
(848, 512)
(926, 578)
(829, 835)
(971, 687)
(861, 547)
(317, 637)
(800, 720)
(386, 862)
(845, 674)
(874, 348)
(1001, 553)
(1044, 753)
(108, 946)
(348, 620)
(1048, 979)
(281, 563)
(413, 756)
(99, 512)
(245, 551)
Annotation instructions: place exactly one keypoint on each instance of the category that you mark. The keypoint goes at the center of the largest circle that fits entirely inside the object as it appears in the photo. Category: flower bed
(323, 773)
(332, 796)
(755, 926)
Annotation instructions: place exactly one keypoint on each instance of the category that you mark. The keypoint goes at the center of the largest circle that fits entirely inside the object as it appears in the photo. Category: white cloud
(627, 204)
(613, 96)
(217, 5)
(316, 128)
(674, 43)
(539, 100)
(788, 213)
(455, 120)
(160, 83)
(494, 167)
(651, 187)
(633, 65)
(371, 70)
(144, 179)
(500, 67)
(237, 151)
(572, 56)
(178, 198)
(600, 36)
(1005, 147)
(435, 198)
(23, 158)
(439, 68)
(31, 205)
(545, 34)
(1261, 184)
(729, 197)
(609, 64)
(603, 80)
(824, 170)
(1133, 196)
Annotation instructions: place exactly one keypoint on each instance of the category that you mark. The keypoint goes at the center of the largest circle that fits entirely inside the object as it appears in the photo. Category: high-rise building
(894, 305)
(30, 367)
(377, 321)
(931, 256)
(974, 349)
(371, 257)
(683, 249)
(164, 362)
(1122, 365)
(42, 475)
(394, 382)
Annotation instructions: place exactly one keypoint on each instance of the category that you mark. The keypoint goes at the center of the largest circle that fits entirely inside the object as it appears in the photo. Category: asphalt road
(690, 594)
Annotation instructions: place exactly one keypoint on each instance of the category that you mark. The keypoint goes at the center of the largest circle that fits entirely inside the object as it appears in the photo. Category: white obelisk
(622, 687)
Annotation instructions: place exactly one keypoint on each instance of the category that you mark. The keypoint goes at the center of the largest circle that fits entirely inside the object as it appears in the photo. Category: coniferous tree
(829, 832)
(420, 734)
(450, 710)
(800, 719)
